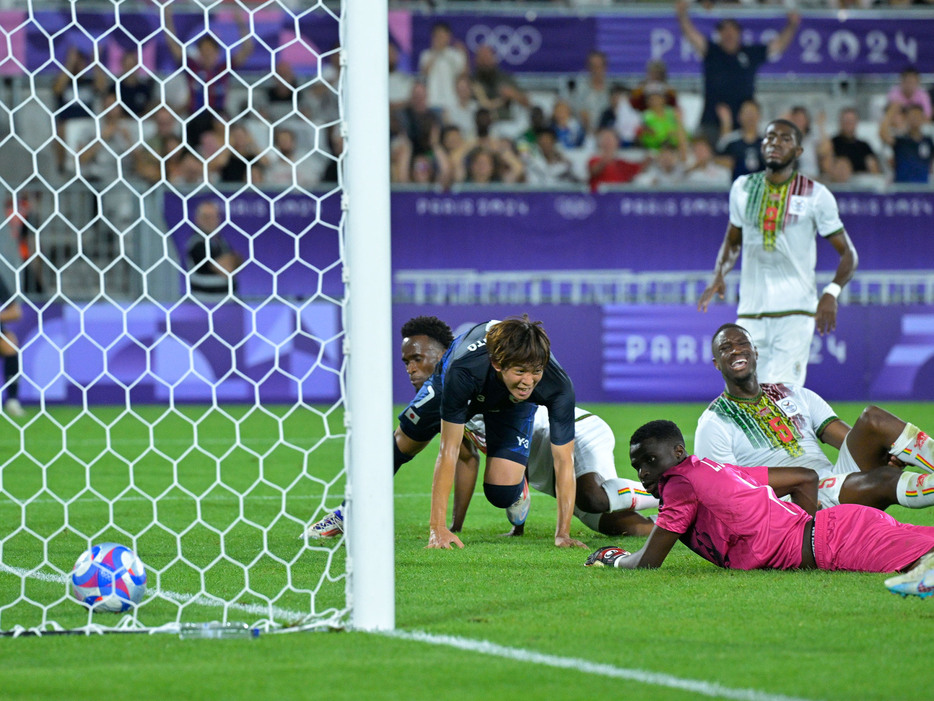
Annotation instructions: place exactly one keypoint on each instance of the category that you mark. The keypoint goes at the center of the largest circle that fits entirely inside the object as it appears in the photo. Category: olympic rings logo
(571, 207)
(513, 45)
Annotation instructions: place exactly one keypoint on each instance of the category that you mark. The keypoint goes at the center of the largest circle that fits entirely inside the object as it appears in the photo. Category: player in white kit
(779, 425)
(774, 217)
(605, 502)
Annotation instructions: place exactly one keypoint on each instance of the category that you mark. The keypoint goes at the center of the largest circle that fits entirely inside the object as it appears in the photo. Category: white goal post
(199, 305)
(369, 400)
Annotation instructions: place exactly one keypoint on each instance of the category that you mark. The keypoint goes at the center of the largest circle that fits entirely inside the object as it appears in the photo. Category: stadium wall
(614, 353)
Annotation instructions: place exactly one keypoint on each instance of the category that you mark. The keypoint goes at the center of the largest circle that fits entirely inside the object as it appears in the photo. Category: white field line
(590, 668)
(482, 647)
(195, 599)
(332, 496)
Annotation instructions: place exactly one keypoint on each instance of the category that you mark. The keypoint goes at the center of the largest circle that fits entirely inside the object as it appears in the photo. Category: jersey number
(781, 429)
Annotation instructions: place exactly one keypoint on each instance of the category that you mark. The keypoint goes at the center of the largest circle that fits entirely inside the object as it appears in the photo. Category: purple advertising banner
(661, 353)
(526, 42)
(234, 353)
(827, 45)
(824, 45)
(626, 230)
(277, 353)
(114, 34)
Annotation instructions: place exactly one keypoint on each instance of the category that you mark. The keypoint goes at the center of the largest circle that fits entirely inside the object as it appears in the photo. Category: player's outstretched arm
(565, 494)
(729, 253)
(798, 482)
(439, 535)
(650, 556)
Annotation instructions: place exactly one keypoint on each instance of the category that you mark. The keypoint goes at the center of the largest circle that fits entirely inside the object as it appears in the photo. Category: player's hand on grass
(606, 557)
(566, 541)
(442, 538)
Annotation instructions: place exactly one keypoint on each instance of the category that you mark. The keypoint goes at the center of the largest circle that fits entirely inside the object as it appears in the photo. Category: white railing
(467, 286)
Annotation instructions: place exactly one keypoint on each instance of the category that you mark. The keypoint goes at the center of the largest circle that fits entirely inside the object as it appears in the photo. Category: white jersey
(779, 224)
(780, 428)
(593, 447)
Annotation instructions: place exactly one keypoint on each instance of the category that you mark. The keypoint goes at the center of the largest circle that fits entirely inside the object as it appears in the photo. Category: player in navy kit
(502, 370)
(424, 341)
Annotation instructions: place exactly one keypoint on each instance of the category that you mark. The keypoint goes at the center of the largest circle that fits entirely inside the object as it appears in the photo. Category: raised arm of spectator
(246, 46)
(885, 127)
(65, 76)
(690, 32)
(513, 168)
(171, 36)
(778, 45)
(12, 311)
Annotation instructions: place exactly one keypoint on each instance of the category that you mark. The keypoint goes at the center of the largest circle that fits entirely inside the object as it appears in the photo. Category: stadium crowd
(461, 117)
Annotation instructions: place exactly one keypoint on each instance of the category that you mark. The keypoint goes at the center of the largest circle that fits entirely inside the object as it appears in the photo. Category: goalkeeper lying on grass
(732, 517)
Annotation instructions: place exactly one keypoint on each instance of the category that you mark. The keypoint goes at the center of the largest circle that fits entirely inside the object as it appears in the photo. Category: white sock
(915, 490)
(914, 447)
(628, 495)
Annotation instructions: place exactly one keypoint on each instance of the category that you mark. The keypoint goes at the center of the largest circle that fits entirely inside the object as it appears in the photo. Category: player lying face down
(731, 516)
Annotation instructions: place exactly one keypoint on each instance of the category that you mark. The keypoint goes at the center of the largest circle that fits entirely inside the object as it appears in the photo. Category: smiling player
(755, 423)
(774, 216)
(503, 370)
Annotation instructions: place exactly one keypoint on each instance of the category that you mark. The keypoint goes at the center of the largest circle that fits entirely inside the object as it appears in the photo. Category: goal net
(177, 316)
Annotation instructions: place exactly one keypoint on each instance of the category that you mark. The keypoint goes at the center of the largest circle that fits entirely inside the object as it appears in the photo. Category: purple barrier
(237, 353)
(268, 242)
(825, 45)
(632, 230)
(529, 231)
(662, 353)
(105, 354)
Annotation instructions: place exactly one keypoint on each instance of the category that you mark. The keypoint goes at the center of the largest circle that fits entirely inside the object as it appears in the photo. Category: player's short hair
(724, 327)
(518, 342)
(799, 137)
(430, 326)
(660, 430)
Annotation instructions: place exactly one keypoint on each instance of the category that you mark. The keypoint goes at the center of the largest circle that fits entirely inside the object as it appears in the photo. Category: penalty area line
(587, 667)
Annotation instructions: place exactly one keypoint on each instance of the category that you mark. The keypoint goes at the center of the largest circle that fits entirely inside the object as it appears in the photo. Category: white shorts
(830, 481)
(784, 345)
(593, 451)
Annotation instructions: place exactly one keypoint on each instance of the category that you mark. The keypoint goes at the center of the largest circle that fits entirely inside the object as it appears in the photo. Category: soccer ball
(109, 577)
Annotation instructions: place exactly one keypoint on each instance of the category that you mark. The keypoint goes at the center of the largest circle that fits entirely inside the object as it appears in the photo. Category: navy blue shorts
(509, 432)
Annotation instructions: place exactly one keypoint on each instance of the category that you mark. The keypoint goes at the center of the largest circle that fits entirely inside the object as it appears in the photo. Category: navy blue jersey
(471, 386)
(730, 78)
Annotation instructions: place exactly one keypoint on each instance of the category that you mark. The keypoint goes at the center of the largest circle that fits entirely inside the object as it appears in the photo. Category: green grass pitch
(688, 630)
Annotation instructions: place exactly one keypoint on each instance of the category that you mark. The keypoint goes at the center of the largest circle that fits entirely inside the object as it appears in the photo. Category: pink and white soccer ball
(109, 577)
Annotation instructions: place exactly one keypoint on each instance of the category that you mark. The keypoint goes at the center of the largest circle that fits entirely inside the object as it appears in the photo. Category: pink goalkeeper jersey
(730, 516)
